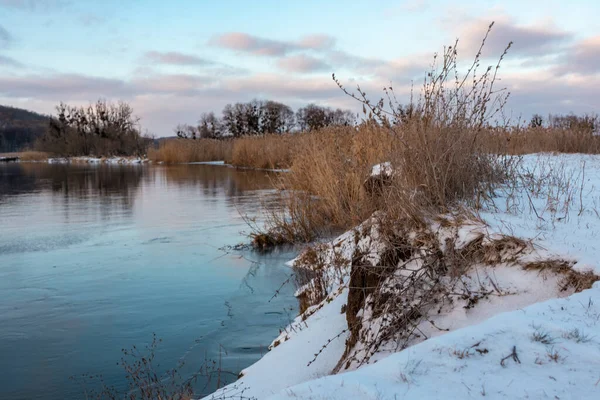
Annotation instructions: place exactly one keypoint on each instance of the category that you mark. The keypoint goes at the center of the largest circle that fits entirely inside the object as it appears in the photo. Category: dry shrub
(177, 151)
(324, 189)
(269, 151)
(435, 145)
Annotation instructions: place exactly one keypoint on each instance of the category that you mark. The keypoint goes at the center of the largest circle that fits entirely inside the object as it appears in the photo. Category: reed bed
(180, 151)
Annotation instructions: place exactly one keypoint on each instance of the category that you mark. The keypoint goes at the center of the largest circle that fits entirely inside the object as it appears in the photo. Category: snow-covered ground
(99, 160)
(556, 356)
(519, 333)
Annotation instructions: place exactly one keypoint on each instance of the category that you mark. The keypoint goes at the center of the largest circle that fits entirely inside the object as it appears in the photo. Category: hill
(19, 128)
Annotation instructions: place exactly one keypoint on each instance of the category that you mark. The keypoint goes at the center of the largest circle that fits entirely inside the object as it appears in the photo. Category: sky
(174, 60)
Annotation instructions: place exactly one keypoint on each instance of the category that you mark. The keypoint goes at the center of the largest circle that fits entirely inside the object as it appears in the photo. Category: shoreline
(129, 161)
(526, 273)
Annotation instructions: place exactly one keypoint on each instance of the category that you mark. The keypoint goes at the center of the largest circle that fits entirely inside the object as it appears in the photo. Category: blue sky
(174, 60)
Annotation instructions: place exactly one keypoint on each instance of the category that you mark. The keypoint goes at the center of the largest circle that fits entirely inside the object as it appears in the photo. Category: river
(94, 259)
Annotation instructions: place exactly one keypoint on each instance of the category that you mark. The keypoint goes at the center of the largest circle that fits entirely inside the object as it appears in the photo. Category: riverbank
(498, 294)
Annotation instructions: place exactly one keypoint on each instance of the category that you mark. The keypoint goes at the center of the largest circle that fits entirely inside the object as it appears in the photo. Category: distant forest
(19, 128)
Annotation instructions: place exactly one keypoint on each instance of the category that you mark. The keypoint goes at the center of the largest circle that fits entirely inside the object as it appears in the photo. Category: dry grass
(324, 189)
(178, 151)
(535, 140)
(28, 155)
(33, 156)
(435, 146)
(269, 151)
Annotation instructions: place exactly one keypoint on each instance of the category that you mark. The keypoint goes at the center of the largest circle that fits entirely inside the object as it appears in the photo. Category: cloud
(251, 44)
(61, 86)
(181, 84)
(175, 58)
(543, 92)
(5, 37)
(302, 63)
(256, 45)
(35, 5)
(583, 58)
(9, 62)
(528, 40)
(317, 42)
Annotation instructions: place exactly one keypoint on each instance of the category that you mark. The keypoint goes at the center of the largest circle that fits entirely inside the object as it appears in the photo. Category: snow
(381, 169)
(467, 363)
(208, 163)
(555, 207)
(559, 207)
(99, 160)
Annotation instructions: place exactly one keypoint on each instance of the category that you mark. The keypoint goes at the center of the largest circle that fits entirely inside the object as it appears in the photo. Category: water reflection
(216, 178)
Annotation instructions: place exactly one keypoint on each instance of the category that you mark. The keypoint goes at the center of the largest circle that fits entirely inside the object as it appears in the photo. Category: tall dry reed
(269, 151)
(178, 151)
(434, 144)
(540, 139)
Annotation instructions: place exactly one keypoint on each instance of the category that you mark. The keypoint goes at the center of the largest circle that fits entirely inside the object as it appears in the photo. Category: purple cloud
(175, 58)
(317, 42)
(528, 40)
(256, 45)
(302, 63)
(583, 58)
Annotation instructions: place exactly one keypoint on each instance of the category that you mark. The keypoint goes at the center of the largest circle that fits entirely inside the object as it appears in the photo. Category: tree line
(258, 117)
(588, 123)
(101, 129)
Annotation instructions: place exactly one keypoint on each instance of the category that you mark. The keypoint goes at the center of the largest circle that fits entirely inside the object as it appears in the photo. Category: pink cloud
(175, 58)
(302, 63)
(256, 45)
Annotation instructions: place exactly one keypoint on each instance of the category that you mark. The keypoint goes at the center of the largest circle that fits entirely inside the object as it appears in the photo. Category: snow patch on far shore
(99, 160)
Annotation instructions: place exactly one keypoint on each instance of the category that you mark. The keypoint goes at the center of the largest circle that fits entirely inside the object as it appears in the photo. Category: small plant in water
(146, 382)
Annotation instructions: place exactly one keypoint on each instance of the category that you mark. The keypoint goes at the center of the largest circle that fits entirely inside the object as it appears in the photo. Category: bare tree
(209, 126)
(276, 118)
(100, 129)
(313, 117)
(185, 131)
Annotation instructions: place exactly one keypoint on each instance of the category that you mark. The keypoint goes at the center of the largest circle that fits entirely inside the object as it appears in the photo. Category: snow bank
(557, 356)
(556, 203)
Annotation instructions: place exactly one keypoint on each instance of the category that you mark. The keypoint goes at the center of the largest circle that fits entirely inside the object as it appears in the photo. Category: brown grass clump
(33, 156)
(178, 151)
(571, 279)
(269, 151)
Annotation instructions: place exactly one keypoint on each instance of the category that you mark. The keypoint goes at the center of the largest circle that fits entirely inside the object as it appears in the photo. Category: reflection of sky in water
(94, 259)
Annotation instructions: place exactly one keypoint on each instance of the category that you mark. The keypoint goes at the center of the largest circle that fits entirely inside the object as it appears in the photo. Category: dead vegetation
(179, 151)
(33, 156)
(407, 263)
(266, 152)
(400, 277)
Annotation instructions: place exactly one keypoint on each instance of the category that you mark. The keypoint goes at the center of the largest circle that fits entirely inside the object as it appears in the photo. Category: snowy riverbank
(99, 160)
(510, 326)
